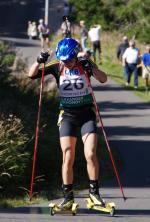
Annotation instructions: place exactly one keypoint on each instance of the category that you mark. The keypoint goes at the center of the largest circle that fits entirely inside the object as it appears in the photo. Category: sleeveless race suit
(76, 102)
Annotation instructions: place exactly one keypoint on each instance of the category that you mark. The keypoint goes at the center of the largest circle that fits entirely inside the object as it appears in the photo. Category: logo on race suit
(72, 72)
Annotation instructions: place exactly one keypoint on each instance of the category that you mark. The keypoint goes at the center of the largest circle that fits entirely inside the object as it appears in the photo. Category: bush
(7, 57)
(13, 157)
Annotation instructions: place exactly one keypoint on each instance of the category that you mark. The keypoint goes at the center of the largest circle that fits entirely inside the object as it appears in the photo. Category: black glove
(42, 58)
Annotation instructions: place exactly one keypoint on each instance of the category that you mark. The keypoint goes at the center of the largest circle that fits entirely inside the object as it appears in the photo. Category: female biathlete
(76, 111)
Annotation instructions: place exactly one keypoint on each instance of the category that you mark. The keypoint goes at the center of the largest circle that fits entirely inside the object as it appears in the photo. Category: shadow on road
(80, 212)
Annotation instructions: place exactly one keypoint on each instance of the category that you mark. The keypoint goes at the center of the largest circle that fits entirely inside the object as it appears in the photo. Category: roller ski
(95, 202)
(67, 206)
(70, 208)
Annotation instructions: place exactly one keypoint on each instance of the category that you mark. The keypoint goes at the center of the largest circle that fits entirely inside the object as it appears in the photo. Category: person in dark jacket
(122, 47)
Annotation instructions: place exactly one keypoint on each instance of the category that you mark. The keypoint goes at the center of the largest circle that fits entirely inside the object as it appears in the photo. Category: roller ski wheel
(56, 209)
(112, 213)
(106, 208)
(51, 211)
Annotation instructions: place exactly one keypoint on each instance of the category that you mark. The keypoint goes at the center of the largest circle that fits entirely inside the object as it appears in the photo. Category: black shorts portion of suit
(72, 119)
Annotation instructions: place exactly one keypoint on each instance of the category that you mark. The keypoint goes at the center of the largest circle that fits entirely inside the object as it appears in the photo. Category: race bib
(73, 88)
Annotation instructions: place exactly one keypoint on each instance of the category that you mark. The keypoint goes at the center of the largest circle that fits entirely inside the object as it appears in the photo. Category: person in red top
(76, 111)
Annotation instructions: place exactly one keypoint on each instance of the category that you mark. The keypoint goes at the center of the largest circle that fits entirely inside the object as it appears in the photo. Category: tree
(128, 16)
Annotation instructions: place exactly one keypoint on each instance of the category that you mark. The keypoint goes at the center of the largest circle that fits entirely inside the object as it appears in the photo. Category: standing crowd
(93, 46)
(90, 45)
(94, 36)
(39, 31)
(133, 62)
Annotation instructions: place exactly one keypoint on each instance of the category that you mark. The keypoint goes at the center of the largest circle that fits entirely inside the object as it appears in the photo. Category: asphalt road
(126, 118)
(135, 209)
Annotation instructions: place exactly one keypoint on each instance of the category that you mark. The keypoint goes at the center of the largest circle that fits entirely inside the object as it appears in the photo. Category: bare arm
(34, 69)
(99, 75)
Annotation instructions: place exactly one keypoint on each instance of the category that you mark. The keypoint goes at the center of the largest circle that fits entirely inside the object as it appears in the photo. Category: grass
(17, 202)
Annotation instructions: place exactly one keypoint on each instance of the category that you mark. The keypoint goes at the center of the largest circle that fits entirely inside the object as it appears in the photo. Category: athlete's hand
(42, 58)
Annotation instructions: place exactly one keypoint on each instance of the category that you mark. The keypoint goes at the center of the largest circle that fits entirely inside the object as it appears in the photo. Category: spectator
(94, 35)
(66, 27)
(66, 9)
(130, 60)
(122, 47)
(84, 35)
(34, 32)
(29, 29)
(146, 66)
(43, 34)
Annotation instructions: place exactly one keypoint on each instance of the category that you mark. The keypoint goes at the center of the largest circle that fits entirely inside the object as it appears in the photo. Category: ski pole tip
(124, 198)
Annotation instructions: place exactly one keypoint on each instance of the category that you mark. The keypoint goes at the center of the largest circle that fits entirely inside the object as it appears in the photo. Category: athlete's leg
(68, 149)
(67, 141)
(90, 144)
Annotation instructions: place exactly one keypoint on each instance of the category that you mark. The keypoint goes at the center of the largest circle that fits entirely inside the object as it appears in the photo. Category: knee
(68, 156)
(90, 157)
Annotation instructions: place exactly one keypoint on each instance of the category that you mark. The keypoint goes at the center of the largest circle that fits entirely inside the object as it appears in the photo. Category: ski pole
(105, 136)
(37, 133)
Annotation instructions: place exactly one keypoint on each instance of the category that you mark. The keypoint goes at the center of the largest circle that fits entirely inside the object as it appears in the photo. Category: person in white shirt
(94, 35)
(130, 61)
(29, 29)
(34, 32)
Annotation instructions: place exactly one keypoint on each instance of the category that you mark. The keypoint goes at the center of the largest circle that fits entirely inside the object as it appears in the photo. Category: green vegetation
(126, 16)
(17, 202)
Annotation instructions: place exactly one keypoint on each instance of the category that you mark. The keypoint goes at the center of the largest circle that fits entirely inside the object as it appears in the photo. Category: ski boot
(97, 199)
(66, 206)
(68, 201)
(96, 202)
